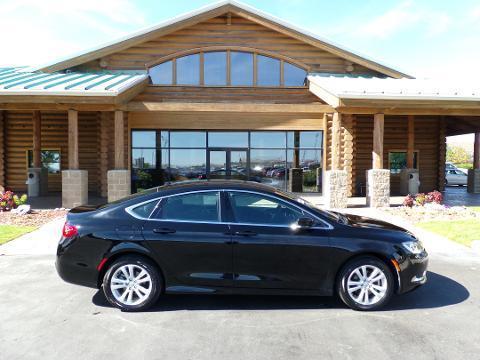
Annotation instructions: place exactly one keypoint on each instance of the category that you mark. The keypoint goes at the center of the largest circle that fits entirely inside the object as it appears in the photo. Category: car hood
(369, 223)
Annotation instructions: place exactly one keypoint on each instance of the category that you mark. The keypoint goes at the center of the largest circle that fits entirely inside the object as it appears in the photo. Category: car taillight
(69, 230)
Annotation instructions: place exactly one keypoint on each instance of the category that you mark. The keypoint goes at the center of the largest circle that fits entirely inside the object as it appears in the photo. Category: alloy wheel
(131, 284)
(367, 285)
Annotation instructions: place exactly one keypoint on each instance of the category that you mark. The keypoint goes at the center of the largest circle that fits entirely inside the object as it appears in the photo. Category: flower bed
(433, 211)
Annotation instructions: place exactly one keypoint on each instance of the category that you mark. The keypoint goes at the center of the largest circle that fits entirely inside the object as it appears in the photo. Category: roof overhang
(208, 12)
(396, 96)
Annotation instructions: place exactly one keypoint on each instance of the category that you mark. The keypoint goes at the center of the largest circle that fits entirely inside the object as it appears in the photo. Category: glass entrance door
(227, 164)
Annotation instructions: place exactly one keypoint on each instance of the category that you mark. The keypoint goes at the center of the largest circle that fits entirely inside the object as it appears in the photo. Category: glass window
(145, 139)
(267, 139)
(309, 161)
(215, 68)
(305, 139)
(268, 71)
(187, 164)
(164, 139)
(162, 74)
(241, 68)
(251, 208)
(188, 70)
(293, 75)
(144, 158)
(50, 160)
(187, 139)
(398, 161)
(201, 206)
(227, 139)
(268, 167)
(145, 210)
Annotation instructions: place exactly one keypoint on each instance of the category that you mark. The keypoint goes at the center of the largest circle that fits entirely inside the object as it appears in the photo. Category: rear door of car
(267, 252)
(191, 241)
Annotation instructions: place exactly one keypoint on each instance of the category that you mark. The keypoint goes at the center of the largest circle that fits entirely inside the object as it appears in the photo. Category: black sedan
(234, 237)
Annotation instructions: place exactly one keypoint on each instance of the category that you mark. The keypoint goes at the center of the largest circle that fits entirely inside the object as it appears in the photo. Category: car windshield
(328, 214)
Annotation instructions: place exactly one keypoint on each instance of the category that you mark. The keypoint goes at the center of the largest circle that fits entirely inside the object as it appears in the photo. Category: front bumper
(413, 271)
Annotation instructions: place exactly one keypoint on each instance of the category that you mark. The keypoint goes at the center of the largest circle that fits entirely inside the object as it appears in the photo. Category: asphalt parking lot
(42, 317)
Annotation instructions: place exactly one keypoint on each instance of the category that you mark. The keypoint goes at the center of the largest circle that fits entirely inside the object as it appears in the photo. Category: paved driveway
(41, 317)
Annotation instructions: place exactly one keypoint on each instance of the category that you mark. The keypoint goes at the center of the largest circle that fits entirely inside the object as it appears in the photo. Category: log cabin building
(228, 91)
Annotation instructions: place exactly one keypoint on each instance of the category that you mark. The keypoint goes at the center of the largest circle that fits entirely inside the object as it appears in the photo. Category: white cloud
(41, 31)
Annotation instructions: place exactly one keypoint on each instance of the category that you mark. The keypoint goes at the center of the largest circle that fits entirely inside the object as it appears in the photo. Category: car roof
(192, 185)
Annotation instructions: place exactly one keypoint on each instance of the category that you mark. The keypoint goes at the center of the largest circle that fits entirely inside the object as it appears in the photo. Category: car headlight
(414, 247)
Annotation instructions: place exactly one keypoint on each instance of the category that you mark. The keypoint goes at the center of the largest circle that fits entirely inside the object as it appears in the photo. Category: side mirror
(302, 224)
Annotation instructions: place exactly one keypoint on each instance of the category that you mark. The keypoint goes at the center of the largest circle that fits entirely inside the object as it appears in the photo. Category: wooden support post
(442, 153)
(378, 130)
(411, 142)
(2, 150)
(336, 128)
(119, 140)
(104, 126)
(73, 163)
(37, 140)
(476, 151)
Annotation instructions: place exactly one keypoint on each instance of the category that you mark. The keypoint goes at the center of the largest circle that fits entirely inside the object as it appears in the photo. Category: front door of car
(190, 241)
(268, 252)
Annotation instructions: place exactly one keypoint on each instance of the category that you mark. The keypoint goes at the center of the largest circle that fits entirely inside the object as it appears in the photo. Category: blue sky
(426, 38)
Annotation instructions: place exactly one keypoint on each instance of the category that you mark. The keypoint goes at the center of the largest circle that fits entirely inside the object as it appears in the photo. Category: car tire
(378, 284)
(132, 283)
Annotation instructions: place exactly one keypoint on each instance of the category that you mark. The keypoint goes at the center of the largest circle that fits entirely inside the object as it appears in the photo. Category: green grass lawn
(461, 231)
(10, 232)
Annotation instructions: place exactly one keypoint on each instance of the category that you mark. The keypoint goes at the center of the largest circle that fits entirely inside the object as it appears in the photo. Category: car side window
(249, 208)
(200, 206)
(144, 210)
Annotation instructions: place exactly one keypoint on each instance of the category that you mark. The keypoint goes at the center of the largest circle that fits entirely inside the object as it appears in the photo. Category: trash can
(33, 182)
(409, 181)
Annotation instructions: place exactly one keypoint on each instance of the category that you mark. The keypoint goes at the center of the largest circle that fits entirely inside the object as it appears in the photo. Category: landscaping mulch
(35, 218)
(433, 212)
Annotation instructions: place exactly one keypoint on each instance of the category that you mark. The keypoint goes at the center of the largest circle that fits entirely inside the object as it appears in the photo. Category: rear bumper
(413, 272)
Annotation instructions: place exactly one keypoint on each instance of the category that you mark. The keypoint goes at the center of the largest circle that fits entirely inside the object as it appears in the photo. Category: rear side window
(201, 206)
(144, 210)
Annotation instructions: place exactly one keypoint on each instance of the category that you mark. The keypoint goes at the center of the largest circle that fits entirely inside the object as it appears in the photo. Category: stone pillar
(295, 180)
(119, 184)
(378, 187)
(335, 189)
(74, 188)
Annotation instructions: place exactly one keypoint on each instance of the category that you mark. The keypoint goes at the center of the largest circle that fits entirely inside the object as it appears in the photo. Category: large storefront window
(160, 156)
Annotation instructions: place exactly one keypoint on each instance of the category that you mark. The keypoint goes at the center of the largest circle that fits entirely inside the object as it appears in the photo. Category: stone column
(474, 174)
(119, 180)
(335, 181)
(378, 179)
(74, 180)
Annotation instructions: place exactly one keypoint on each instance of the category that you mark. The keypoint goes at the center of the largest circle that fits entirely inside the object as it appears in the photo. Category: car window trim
(129, 210)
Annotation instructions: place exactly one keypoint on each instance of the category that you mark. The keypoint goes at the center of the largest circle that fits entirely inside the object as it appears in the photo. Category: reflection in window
(187, 164)
(267, 139)
(50, 160)
(268, 166)
(191, 207)
(398, 161)
(268, 71)
(241, 68)
(162, 74)
(227, 139)
(144, 158)
(293, 75)
(187, 139)
(215, 68)
(147, 139)
(188, 70)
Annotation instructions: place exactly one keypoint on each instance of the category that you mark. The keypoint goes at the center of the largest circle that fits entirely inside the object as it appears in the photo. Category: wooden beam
(73, 163)
(104, 134)
(476, 151)
(336, 128)
(229, 107)
(442, 153)
(378, 133)
(410, 141)
(2, 150)
(37, 139)
(119, 149)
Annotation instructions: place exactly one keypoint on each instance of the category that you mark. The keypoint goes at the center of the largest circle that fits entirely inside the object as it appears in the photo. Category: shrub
(9, 200)
(409, 201)
(434, 197)
(420, 199)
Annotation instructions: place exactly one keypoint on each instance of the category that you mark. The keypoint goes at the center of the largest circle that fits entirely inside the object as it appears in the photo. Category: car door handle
(164, 231)
(245, 233)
